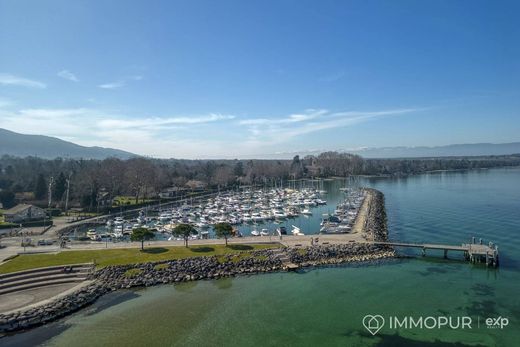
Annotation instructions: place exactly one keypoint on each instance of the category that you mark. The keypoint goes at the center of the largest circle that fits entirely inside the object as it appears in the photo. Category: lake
(326, 306)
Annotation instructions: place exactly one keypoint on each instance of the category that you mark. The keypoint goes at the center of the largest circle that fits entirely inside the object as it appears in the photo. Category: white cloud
(293, 118)
(68, 75)
(276, 130)
(91, 127)
(120, 83)
(161, 122)
(112, 85)
(183, 136)
(7, 79)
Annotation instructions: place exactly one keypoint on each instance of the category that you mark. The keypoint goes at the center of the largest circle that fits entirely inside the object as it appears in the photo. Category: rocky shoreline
(113, 278)
(375, 224)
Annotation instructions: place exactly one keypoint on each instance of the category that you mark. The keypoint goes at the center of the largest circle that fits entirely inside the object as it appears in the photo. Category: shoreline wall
(376, 221)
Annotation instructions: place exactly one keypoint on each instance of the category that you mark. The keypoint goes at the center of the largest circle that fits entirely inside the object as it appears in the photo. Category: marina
(258, 213)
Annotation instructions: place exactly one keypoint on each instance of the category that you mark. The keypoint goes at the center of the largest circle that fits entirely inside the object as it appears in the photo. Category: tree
(184, 230)
(7, 198)
(40, 191)
(59, 187)
(223, 230)
(142, 234)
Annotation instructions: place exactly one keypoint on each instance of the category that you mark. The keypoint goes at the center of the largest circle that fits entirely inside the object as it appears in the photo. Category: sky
(246, 79)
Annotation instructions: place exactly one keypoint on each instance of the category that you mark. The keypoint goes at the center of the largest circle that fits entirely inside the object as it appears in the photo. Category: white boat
(119, 221)
(201, 225)
(116, 235)
(264, 232)
(91, 234)
(255, 233)
(257, 217)
(307, 212)
(296, 231)
(279, 214)
(165, 217)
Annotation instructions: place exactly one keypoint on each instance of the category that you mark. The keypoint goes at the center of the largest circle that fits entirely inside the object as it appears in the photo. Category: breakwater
(376, 222)
(119, 277)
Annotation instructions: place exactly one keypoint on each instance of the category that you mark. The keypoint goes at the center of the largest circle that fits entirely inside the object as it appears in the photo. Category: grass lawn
(83, 214)
(128, 200)
(123, 256)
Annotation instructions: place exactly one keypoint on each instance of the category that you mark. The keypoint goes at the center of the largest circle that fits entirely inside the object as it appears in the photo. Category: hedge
(8, 225)
(37, 223)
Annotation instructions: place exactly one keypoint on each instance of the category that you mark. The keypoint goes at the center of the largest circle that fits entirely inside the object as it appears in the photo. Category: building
(196, 185)
(171, 192)
(24, 213)
(104, 199)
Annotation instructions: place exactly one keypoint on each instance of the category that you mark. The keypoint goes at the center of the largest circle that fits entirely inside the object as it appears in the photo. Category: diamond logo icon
(373, 323)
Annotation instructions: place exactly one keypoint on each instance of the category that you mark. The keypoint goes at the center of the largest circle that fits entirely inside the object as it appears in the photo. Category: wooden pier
(473, 252)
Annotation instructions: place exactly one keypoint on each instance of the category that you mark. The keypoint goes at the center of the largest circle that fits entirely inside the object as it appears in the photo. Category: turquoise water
(326, 306)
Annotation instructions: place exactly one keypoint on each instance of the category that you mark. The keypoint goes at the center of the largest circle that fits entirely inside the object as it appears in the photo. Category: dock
(473, 252)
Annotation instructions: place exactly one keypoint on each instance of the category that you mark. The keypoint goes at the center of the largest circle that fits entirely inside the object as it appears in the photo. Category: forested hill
(21, 145)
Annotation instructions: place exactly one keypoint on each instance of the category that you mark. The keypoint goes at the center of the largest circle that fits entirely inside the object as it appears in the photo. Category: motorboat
(255, 233)
(91, 234)
(264, 232)
(118, 221)
(257, 217)
(296, 231)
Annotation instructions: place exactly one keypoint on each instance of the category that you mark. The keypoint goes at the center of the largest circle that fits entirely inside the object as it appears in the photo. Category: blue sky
(206, 79)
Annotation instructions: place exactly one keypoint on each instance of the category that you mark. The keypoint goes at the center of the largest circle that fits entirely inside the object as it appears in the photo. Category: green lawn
(123, 256)
(128, 200)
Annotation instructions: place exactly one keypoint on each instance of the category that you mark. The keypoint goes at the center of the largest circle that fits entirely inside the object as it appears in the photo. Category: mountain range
(21, 145)
(457, 150)
(47, 147)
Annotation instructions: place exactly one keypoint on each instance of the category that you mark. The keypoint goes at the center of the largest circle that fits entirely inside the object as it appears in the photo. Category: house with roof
(24, 213)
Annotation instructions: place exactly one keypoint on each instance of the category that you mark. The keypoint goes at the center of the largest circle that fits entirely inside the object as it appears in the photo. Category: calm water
(325, 306)
(309, 224)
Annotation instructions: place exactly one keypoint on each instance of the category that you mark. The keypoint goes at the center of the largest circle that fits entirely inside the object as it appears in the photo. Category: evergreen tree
(40, 191)
(60, 186)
